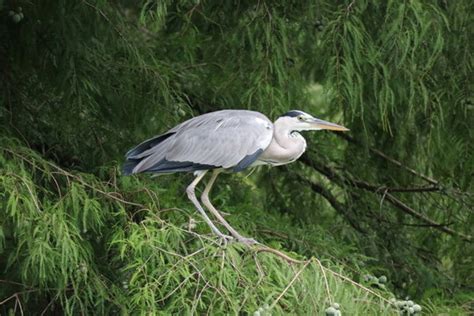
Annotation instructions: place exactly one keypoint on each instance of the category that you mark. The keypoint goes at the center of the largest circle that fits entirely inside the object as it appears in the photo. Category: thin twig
(373, 187)
(15, 295)
(177, 288)
(358, 285)
(402, 206)
(392, 160)
(349, 7)
(15, 283)
(72, 176)
(47, 306)
(326, 283)
(195, 302)
(289, 284)
(279, 254)
(331, 174)
(108, 20)
(338, 206)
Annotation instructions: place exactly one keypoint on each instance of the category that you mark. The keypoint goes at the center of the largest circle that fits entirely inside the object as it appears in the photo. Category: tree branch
(342, 209)
(331, 174)
(402, 206)
(383, 188)
(390, 159)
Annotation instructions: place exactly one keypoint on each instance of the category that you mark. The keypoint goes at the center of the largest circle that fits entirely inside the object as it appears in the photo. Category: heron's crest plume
(295, 113)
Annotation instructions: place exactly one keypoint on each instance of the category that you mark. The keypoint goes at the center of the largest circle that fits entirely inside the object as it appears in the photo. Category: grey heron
(226, 140)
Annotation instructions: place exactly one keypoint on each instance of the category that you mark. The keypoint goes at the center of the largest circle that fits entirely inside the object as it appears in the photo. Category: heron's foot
(247, 241)
(223, 213)
(224, 239)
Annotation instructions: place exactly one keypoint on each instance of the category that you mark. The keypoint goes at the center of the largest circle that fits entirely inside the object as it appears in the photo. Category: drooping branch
(111, 195)
(383, 188)
(407, 209)
(338, 206)
(391, 160)
(339, 179)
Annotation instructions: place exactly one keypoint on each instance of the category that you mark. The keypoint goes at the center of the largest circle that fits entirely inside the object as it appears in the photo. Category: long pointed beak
(321, 124)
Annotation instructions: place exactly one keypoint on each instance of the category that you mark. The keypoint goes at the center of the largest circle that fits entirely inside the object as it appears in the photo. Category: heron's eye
(301, 118)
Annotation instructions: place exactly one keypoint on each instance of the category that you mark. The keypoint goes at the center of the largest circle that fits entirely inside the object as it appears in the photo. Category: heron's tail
(135, 155)
(128, 166)
(143, 149)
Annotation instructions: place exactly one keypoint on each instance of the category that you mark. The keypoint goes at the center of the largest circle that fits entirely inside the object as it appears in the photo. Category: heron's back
(231, 139)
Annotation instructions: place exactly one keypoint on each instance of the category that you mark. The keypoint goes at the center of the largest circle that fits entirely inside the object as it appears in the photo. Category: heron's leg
(205, 200)
(192, 196)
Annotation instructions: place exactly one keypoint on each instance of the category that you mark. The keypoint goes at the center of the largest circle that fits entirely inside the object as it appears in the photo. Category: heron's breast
(280, 154)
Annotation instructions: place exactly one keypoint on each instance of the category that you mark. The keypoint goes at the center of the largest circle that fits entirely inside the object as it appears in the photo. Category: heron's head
(300, 121)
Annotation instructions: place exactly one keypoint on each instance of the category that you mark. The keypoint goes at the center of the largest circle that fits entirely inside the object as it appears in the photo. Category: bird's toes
(224, 239)
(223, 213)
(247, 241)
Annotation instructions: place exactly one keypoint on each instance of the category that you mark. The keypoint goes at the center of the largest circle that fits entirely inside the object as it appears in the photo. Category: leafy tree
(83, 81)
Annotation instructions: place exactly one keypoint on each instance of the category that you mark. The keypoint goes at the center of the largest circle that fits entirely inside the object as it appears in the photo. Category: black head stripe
(293, 113)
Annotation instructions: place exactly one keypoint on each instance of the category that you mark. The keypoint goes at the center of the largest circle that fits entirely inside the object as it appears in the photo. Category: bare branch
(383, 188)
(402, 206)
(112, 195)
(392, 160)
(331, 174)
(291, 283)
(339, 207)
(279, 254)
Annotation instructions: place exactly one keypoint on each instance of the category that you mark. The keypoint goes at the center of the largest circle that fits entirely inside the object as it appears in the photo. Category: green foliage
(83, 81)
(73, 243)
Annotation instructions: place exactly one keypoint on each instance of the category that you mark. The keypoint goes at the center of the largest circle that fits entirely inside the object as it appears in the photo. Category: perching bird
(227, 140)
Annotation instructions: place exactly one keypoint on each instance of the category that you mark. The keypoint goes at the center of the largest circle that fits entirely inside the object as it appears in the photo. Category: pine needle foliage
(74, 245)
(83, 81)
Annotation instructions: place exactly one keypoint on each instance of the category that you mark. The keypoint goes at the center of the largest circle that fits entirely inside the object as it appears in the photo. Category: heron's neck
(286, 145)
(285, 135)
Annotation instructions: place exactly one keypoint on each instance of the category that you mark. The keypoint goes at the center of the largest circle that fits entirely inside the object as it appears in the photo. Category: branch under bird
(227, 140)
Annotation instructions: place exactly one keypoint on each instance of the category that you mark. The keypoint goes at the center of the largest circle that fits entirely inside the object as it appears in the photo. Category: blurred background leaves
(82, 82)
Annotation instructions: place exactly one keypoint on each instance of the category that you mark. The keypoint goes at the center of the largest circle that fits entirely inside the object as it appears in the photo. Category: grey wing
(227, 139)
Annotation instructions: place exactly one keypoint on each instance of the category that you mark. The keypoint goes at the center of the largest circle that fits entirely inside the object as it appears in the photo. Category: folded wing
(223, 139)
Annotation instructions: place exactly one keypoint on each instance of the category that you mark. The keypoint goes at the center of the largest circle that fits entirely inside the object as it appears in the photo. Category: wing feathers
(228, 138)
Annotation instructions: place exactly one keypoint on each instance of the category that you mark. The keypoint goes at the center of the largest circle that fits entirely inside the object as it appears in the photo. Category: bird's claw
(247, 241)
(224, 239)
(223, 213)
